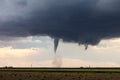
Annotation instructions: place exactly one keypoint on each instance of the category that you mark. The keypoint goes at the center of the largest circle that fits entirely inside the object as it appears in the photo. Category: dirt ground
(58, 76)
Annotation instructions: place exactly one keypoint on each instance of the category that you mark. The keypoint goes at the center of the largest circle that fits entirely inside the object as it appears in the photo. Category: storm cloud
(82, 21)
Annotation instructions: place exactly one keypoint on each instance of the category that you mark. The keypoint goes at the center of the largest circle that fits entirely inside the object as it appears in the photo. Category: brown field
(59, 76)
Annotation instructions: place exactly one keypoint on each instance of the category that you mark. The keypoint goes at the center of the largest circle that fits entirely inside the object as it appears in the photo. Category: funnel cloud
(81, 21)
(56, 42)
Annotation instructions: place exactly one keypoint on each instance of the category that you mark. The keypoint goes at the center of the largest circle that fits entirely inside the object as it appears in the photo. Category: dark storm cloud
(82, 21)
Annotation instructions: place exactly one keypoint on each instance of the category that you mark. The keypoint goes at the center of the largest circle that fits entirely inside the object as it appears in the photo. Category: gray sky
(28, 29)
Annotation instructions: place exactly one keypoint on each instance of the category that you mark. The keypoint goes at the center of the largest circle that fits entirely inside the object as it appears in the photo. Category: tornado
(86, 46)
(56, 42)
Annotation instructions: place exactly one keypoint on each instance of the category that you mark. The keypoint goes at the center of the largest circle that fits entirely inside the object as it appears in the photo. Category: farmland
(16, 69)
(59, 73)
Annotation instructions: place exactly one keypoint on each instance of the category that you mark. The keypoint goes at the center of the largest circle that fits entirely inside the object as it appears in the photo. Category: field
(59, 73)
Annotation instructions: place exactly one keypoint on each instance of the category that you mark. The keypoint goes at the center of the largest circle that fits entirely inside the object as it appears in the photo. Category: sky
(59, 33)
(39, 52)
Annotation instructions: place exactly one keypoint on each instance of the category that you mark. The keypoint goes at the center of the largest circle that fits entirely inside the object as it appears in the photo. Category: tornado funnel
(56, 42)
